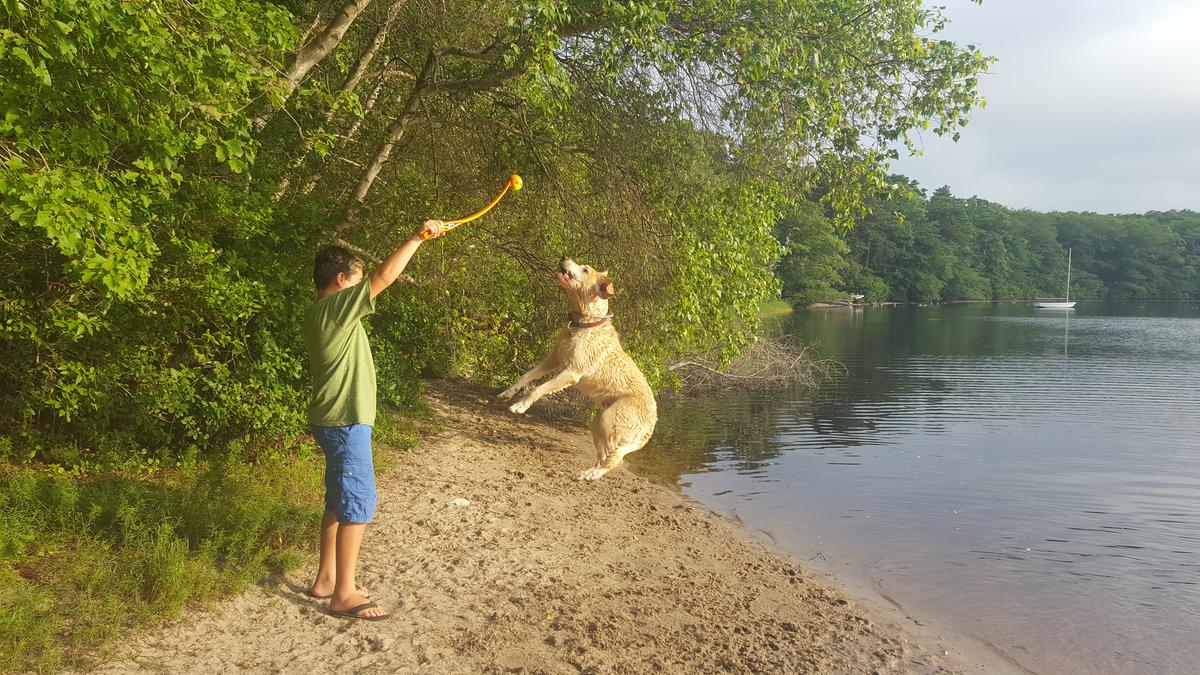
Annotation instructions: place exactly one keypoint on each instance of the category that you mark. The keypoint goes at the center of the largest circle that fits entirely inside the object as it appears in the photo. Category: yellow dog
(588, 355)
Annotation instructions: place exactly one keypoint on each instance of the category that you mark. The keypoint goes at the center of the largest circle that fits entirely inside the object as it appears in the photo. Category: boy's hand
(431, 229)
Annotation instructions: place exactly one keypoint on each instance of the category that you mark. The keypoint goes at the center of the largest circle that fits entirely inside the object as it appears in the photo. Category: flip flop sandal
(353, 612)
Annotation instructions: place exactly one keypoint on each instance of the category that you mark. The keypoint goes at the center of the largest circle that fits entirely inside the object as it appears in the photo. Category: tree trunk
(364, 61)
(315, 51)
(356, 75)
(353, 130)
(393, 134)
(425, 84)
(342, 140)
(308, 32)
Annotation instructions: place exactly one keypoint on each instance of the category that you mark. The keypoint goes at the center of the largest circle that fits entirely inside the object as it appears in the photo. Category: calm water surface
(1030, 477)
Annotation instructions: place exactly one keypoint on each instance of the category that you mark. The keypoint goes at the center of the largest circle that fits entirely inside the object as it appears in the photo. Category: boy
(342, 412)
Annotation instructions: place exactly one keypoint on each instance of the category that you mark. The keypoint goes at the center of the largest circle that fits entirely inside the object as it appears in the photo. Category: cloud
(1092, 106)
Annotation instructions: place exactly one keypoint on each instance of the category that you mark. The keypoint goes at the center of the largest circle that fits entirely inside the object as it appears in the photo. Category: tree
(814, 255)
(164, 195)
(132, 106)
(949, 248)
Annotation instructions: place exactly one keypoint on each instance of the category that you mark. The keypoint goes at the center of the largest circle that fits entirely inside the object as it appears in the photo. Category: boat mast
(1068, 297)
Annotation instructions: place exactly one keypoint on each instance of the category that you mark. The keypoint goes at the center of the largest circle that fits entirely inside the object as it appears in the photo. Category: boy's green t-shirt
(339, 358)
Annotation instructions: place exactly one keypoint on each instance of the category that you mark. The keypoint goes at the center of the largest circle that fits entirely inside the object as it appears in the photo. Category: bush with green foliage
(128, 320)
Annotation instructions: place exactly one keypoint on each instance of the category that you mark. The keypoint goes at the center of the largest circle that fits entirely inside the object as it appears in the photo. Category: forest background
(922, 247)
(167, 171)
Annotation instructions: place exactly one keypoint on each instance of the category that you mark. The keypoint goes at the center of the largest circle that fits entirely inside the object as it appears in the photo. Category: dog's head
(588, 289)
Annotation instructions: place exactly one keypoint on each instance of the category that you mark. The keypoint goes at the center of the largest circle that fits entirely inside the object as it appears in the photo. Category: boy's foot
(318, 592)
(356, 608)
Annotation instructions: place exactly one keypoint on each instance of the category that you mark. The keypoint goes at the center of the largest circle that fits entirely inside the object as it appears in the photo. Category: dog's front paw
(507, 393)
(594, 473)
(520, 407)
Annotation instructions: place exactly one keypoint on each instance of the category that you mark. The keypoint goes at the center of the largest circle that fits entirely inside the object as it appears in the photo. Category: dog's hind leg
(600, 435)
(618, 430)
(611, 461)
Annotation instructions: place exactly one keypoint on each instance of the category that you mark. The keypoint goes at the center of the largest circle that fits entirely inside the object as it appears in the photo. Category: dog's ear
(607, 290)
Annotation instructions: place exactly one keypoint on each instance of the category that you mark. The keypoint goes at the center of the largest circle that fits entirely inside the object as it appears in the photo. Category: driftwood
(770, 363)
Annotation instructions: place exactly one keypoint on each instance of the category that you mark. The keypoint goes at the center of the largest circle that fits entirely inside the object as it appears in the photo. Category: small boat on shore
(1065, 303)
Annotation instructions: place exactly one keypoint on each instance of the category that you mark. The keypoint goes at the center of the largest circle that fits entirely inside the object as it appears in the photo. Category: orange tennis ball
(516, 181)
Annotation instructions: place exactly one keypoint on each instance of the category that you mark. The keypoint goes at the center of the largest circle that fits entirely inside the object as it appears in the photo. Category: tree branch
(314, 52)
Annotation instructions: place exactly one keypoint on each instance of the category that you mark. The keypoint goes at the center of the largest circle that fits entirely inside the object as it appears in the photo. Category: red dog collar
(591, 324)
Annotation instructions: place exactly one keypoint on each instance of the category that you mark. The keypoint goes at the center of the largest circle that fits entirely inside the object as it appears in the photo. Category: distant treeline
(920, 248)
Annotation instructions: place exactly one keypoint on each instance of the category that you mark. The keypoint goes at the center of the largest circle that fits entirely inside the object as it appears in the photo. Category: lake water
(1030, 477)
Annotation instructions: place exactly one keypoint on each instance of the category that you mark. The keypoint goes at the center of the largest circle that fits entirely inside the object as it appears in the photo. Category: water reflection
(736, 431)
(1066, 320)
(1033, 477)
(1066, 331)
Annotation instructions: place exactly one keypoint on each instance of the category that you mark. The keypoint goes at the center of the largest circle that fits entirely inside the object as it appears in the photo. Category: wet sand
(543, 574)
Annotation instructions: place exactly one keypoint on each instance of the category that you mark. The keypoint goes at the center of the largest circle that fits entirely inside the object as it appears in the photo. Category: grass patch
(397, 430)
(775, 308)
(85, 559)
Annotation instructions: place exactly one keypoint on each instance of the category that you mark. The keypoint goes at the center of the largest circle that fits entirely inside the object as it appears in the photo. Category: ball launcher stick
(514, 183)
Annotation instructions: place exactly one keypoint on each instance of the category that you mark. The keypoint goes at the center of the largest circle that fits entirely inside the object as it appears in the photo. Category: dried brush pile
(769, 364)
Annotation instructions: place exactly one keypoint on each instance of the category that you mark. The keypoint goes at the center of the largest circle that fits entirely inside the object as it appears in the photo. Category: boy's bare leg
(327, 567)
(345, 594)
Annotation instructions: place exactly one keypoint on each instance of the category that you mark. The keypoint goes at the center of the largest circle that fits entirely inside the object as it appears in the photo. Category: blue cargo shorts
(349, 471)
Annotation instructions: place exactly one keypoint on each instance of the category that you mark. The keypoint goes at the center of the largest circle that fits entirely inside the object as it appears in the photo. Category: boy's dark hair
(331, 260)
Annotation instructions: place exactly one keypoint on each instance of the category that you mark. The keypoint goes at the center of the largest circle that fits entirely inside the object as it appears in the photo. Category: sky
(1092, 106)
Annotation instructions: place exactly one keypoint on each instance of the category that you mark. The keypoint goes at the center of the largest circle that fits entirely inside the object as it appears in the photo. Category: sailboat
(1066, 301)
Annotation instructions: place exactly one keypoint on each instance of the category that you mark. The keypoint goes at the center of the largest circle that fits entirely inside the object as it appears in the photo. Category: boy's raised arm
(386, 274)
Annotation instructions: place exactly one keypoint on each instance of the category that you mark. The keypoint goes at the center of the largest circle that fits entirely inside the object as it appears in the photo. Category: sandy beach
(543, 574)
